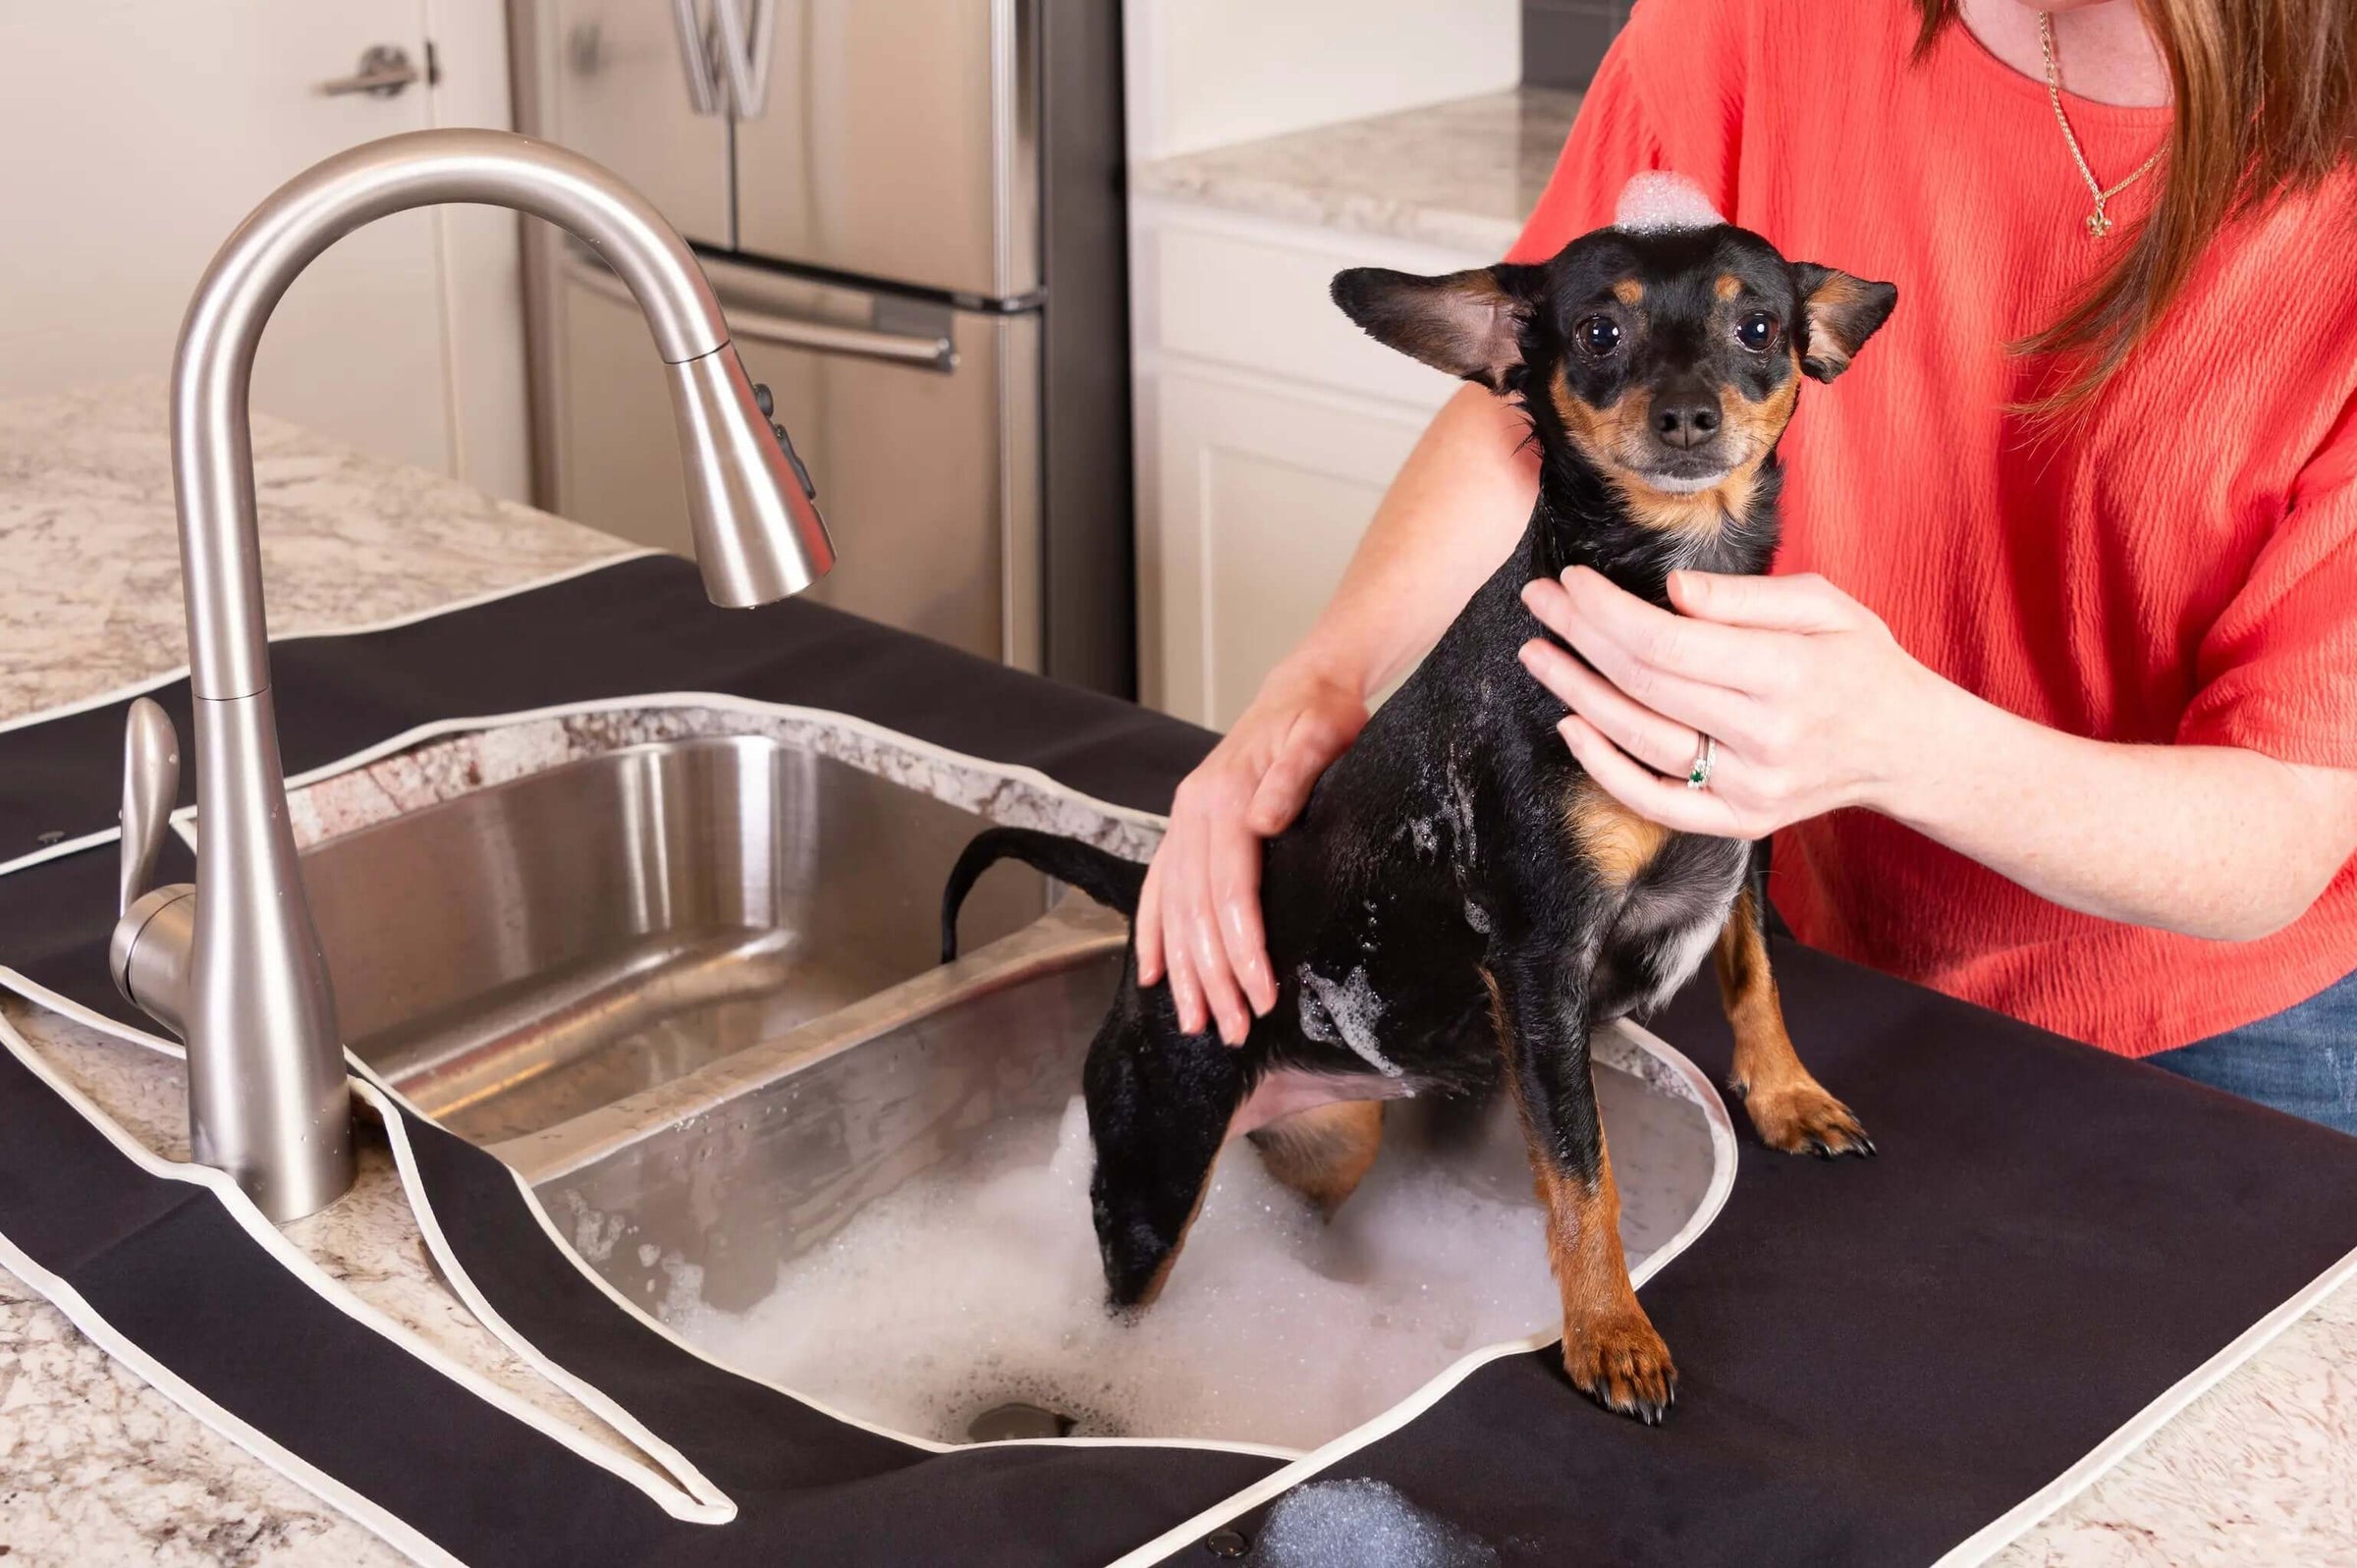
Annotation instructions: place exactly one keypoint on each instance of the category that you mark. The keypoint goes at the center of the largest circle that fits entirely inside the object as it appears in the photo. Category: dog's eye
(1598, 336)
(1756, 332)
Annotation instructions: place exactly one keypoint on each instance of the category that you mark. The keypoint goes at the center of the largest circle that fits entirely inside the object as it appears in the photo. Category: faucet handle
(151, 789)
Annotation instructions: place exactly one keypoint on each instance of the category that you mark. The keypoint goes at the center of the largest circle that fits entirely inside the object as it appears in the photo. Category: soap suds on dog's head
(1349, 1523)
(1658, 201)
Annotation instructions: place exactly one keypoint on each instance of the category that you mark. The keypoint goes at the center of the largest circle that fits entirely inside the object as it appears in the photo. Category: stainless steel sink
(770, 1155)
(690, 1199)
(688, 990)
(517, 956)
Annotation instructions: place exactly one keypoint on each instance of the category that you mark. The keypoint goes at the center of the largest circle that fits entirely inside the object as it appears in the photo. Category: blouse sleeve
(2277, 671)
(1669, 95)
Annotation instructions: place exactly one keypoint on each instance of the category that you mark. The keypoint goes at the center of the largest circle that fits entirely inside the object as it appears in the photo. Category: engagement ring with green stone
(1698, 777)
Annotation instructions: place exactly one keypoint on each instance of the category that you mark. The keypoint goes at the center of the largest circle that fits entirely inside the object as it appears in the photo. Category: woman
(2053, 704)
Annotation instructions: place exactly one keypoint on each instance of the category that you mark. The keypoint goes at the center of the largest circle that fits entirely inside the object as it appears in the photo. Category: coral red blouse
(2180, 568)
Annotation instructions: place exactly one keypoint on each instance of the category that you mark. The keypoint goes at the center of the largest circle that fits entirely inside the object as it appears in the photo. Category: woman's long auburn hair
(2266, 100)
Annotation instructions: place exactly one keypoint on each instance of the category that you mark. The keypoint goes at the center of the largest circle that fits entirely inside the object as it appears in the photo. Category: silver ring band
(1706, 757)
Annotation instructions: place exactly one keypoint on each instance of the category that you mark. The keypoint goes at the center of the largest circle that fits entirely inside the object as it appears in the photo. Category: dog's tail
(1107, 878)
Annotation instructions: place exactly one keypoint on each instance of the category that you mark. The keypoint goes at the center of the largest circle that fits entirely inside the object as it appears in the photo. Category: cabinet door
(1263, 495)
(140, 134)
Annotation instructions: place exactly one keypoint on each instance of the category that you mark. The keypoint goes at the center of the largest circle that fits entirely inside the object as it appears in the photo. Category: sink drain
(1016, 1419)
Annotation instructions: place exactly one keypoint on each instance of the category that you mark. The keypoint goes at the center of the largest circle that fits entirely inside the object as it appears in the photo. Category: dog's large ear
(1466, 323)
(1839, 313)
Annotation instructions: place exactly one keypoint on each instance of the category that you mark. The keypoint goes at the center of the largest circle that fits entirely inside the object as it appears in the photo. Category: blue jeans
(2302, 1059)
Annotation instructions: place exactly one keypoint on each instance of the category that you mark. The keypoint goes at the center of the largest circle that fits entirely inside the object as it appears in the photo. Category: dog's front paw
(1621, 1363)
(1803, 1120)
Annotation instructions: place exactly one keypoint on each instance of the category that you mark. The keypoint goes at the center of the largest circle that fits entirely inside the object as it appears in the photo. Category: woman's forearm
(1455, 510)
(2212, 841)
(1810, 706)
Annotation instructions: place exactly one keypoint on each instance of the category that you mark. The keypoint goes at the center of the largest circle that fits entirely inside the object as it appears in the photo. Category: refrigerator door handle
(744, 52)
(917, 351)
(696, 48)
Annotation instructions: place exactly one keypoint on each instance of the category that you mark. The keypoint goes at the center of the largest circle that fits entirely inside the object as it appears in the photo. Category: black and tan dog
(1459, 897)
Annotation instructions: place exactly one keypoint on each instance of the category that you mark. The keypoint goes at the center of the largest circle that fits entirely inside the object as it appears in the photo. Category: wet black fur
(1447, 815)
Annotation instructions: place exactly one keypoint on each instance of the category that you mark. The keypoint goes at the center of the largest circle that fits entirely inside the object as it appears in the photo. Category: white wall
(1206, 73)
(139, 134)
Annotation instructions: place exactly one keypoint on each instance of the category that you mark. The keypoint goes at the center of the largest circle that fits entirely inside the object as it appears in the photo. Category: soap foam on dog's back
(972, 1287)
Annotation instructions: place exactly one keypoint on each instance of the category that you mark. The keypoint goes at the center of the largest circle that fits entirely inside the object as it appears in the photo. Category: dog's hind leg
(1789, 1109)
(1325, 1151)
(1611, 1349)
(1159, 1104)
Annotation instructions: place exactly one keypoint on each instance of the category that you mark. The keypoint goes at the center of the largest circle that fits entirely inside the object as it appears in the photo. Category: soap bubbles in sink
(976, 1286)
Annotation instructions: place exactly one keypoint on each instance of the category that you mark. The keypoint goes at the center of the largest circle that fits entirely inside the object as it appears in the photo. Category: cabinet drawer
(1261, 304)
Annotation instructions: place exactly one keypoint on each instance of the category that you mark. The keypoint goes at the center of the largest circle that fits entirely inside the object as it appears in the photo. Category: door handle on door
(917, 351)
(825, 337)
(385, 70)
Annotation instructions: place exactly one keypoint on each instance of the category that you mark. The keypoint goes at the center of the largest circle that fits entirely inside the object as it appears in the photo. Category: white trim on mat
(149, 683)
(2000, 1532)
(388, 1108)
(73, 1012)
(421, 1205)
(686, 1508)
(387, 1526)
(183, 819)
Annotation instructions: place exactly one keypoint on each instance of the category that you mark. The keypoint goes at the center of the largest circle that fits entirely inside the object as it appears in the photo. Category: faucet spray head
(758, 534)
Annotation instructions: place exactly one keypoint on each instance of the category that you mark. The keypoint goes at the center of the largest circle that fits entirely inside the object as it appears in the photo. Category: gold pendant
(2099, 223)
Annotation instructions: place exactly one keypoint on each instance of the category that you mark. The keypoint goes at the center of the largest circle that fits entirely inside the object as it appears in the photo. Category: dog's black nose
(1686, 418)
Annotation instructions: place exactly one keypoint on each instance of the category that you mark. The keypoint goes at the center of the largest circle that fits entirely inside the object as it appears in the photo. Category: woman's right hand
(1198, 916)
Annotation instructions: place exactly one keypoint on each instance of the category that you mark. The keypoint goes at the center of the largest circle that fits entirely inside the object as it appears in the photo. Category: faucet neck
(212, 443)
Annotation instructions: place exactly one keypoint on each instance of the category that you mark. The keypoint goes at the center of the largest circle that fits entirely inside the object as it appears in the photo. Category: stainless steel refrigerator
(912, 213)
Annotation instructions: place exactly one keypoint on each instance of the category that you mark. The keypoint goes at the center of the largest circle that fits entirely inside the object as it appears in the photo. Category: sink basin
(688, 990)
(517, 957)
(888, 1214)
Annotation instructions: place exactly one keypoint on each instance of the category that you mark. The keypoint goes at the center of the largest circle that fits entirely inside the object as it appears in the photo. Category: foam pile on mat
(1351, 1524)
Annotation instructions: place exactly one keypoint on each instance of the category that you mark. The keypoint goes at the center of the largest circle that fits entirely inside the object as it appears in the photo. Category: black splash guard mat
(637, 627)
(1878, 1359)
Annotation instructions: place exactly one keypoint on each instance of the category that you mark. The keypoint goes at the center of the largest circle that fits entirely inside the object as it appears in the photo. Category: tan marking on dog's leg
(1612, 1351)
(1617, 841)
(1324, 1153)
(1788, 1108)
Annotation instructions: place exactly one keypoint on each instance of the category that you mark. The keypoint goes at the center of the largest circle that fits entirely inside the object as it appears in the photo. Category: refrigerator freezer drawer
(899, 139)
(612, 82)
(919, 425)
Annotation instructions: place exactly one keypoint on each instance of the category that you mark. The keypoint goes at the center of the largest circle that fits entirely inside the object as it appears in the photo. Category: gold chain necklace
(2099, 222)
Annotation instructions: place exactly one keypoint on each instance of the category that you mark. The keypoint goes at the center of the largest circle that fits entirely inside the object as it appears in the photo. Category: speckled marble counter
(97, 1468)
(1460, 175)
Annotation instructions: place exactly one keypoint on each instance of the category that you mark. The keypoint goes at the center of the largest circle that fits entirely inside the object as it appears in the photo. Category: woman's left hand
(1813, 704)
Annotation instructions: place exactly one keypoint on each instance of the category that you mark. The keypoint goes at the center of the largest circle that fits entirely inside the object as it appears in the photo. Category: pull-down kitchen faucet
(233, 964)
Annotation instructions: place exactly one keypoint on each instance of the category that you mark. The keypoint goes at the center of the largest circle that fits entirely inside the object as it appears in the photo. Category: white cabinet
(1269, 427)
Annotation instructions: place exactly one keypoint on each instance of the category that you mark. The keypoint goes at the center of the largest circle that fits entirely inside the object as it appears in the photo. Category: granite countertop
(96, 1467)
(1460, 175)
